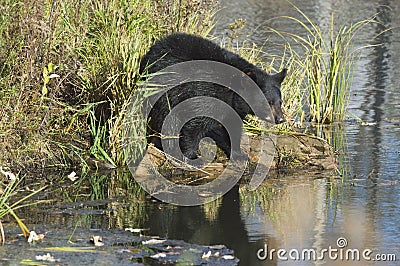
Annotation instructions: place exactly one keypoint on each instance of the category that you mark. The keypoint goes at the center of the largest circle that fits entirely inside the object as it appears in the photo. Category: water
(366, 210)
(298, 211)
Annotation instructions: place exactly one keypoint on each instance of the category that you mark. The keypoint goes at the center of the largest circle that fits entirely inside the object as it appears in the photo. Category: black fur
(180, 47)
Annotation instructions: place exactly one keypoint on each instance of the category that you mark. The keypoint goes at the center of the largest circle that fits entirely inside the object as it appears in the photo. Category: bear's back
(182, 47)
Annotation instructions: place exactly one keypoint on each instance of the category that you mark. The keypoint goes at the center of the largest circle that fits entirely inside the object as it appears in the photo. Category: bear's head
(270, 86)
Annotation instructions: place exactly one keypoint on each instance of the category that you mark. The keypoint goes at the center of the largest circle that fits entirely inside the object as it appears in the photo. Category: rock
(299, 151)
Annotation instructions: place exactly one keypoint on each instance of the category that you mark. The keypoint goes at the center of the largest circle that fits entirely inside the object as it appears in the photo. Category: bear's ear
(279, 77)
(245, 82)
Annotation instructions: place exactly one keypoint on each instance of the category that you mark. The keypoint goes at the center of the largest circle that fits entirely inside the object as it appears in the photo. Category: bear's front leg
(230, 144)
(189, 141)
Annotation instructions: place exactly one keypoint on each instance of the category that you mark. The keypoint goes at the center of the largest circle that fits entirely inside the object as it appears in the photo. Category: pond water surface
(297, 211)
(365, 211)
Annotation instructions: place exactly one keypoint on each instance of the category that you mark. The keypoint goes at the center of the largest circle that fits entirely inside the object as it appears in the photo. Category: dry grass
(68, 67)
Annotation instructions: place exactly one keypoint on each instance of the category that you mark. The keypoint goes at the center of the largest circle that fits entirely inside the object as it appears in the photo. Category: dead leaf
(97, 241)
(135, 230)
(206, 255)
(174, 247)
(217, 246)
(72, 176)
(158, 255)
(54, 76)
(33, 237)
(153, 241)
(9, 175)
(228, 257)
(72, 249)
(46, 257)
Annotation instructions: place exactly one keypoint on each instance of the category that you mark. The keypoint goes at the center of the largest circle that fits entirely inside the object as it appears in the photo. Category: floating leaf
(30, 262)
(97, 241)
(35, 237)
(217, 246)
(46, 257)
(158, 255)
(135, 230)
(206, 255)
(228, 257)
(153, 241)
(72, 249)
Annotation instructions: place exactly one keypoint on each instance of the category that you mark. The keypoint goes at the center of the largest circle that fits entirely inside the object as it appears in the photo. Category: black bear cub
(181, 47)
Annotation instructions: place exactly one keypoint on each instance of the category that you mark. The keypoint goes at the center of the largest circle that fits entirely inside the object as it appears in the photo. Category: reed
(322, 65)
(9, 203)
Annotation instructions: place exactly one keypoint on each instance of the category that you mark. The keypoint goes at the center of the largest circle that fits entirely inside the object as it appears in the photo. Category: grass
(8, 190)
(322, 64)
(67, 68)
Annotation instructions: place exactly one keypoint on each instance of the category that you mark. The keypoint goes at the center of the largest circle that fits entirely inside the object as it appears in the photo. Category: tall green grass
(322, 64)
(60, 115)
(117, 34)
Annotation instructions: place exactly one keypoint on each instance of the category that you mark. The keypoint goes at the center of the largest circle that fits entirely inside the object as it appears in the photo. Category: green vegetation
(321, 65)
(320, 62)
(8, 189)
(68, 68)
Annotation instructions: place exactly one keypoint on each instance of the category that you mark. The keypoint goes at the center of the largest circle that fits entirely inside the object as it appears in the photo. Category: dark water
(364, 208)
(366, 211)
(301, 211)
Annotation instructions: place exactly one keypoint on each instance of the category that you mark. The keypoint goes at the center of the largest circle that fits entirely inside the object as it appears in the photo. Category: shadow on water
(196, 225)
(70, 213)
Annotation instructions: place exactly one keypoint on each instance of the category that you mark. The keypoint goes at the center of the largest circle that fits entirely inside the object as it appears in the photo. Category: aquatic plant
(321, 64)
(8, 189)
(321, 68)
